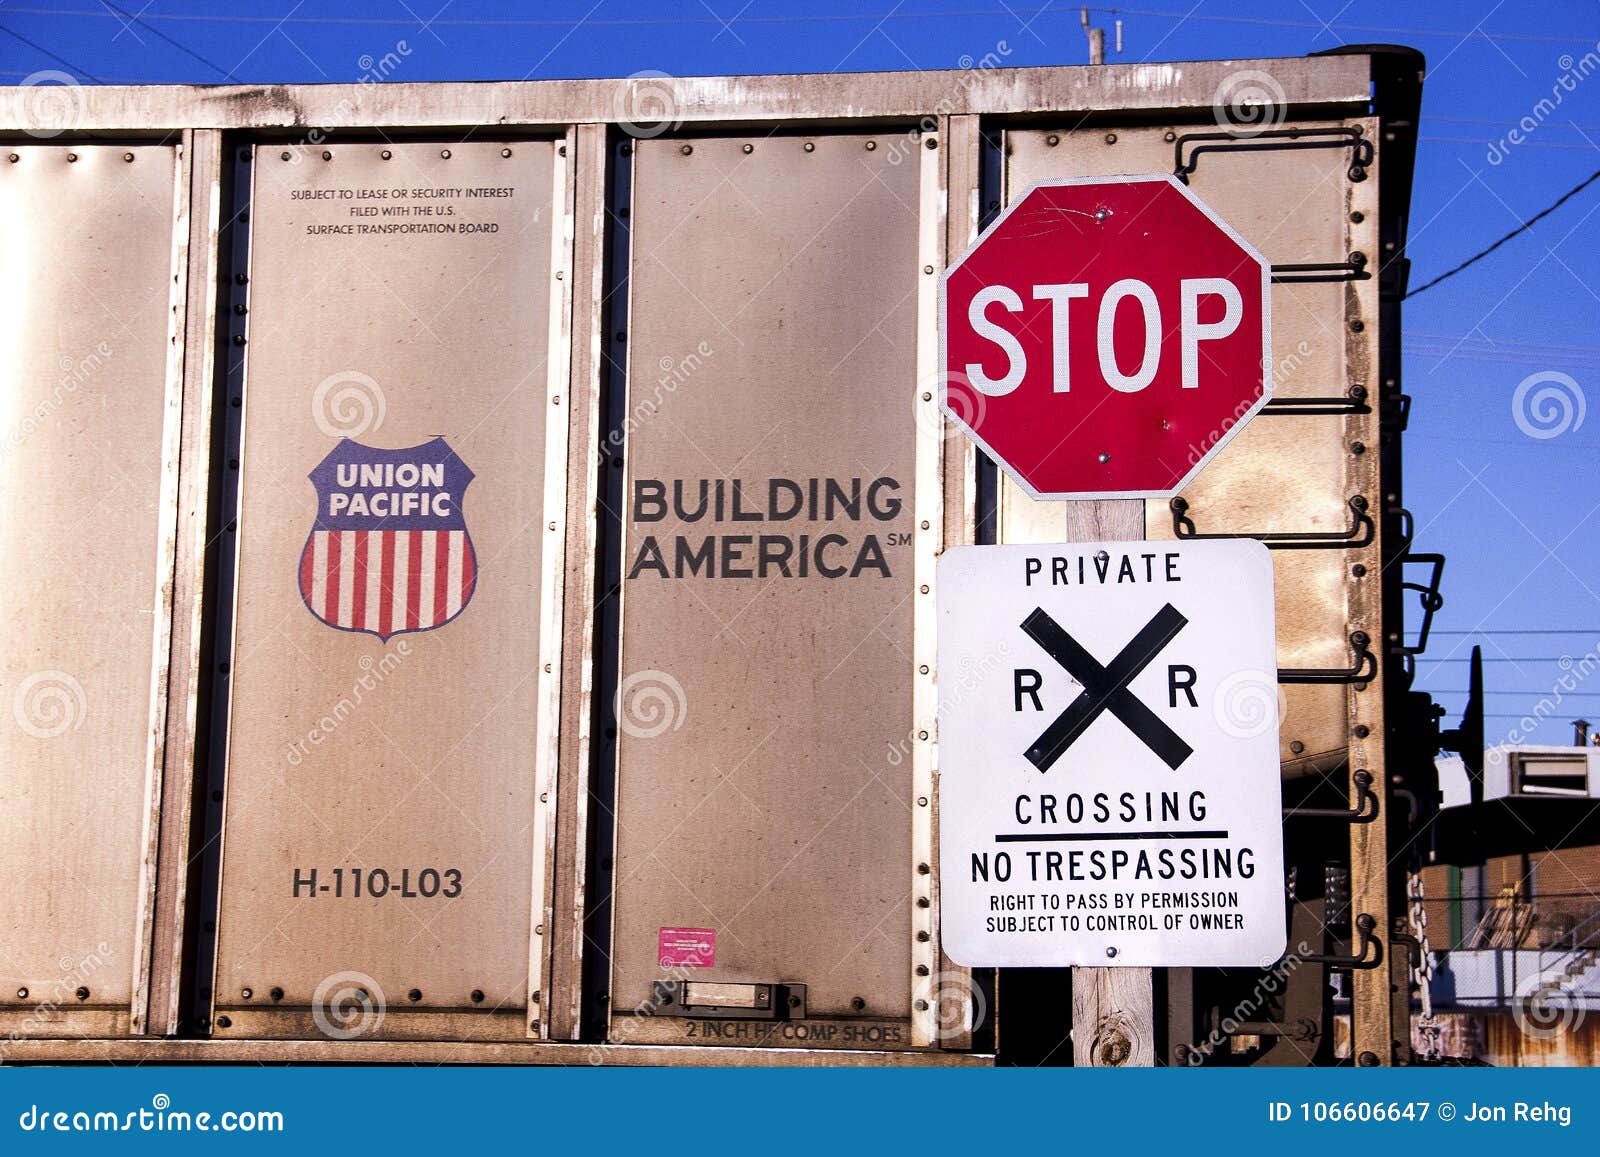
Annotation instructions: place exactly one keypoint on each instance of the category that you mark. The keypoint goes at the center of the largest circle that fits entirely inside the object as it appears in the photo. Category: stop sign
(1105, 337)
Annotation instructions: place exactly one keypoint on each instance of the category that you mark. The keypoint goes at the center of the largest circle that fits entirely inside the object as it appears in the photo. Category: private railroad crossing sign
(1105, 337)
(1108, 755)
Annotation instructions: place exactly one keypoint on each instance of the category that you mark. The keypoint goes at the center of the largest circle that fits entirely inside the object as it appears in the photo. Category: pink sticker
(687, 947)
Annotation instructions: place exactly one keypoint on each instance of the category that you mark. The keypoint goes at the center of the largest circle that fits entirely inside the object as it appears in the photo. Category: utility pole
(1097, 38)
(1113, 1009)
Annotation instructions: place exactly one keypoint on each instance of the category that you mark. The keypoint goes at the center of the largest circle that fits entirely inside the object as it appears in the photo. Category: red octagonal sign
(1105, 337)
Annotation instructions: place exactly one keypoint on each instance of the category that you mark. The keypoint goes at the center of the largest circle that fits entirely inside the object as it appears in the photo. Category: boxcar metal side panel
(89, 325)
(384, 826)
(765, 756)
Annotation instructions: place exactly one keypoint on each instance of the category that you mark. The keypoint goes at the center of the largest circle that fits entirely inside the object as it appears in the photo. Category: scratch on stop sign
(1056, 211)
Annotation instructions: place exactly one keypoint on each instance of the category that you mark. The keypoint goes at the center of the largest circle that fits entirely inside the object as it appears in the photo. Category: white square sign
(1108, 755)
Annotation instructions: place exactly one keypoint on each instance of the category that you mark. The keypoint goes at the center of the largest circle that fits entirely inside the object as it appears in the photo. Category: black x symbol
(1106, 688)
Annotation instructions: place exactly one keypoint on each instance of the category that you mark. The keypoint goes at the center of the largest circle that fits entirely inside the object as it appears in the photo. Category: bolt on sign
(390, 759)
(1098, 330)
(1109, 775)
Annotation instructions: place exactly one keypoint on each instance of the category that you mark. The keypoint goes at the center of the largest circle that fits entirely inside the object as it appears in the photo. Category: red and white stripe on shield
(388, 581)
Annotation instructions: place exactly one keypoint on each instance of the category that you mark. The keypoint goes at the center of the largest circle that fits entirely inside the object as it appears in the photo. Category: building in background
(1515, 935)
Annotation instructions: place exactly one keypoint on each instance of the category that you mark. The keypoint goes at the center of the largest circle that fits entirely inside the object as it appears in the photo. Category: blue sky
(1516, 512)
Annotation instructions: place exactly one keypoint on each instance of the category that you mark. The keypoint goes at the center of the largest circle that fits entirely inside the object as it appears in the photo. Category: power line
(1546, 690)
(1514, 691)
(101, 80)
(1525, 631)
(1520, 443)
(816, 18)
(1584, 147)
(1462, 349)
(1500, 360)
(1510, 357)
(41, 48)
(1564, 697)
(1504, 659)
(1545, 694)
(226, 74)
(1570, 126)
(1424, 335)
(1445, 358)
(1479, 347)
(1442, 357)
(1522, 228)
(1559, 722)
(1490, 346)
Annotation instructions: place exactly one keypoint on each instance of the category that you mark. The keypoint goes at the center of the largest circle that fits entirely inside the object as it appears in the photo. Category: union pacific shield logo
(389, 551)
